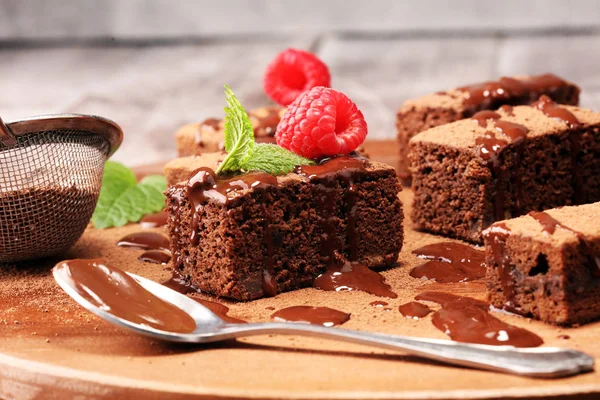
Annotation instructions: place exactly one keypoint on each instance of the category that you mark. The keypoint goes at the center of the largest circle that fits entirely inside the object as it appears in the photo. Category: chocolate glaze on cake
(256, 235)
(496, 165)
(444, 107)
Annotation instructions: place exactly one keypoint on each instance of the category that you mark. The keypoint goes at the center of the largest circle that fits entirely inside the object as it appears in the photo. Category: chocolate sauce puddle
(155, 257)
(117, 293)
(414, 310)
(178, 283)
(312, 315)
(468, 320)
(350, 276)
(145, 241)
(155, 220)
(450, 262)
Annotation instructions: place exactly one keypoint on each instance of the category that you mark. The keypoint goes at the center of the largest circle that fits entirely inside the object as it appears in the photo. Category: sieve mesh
(49, 186)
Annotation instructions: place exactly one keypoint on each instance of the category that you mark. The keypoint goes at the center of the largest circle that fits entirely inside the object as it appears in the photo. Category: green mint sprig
(123, 199)
(243, 154)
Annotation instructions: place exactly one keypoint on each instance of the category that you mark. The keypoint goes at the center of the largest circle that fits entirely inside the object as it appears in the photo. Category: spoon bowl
(542, 362)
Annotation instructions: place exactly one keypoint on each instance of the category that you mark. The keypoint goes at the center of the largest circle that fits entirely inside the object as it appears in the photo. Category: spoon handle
(543, 362)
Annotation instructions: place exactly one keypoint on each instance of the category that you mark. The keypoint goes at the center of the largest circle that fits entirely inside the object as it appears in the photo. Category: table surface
(150, 90)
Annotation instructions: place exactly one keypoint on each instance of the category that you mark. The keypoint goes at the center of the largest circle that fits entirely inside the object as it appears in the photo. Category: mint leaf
(157, 181)
(122, 199)
(239, 134)
(274, 159)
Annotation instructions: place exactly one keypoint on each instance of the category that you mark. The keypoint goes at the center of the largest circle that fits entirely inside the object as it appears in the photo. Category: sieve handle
(6, 136)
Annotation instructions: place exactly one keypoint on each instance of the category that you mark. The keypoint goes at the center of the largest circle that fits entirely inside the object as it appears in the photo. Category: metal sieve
(51, 170)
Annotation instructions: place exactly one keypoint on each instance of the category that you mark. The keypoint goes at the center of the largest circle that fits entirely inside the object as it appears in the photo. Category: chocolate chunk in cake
(209, 135)
(547, 264)
(426, 112)
(256, 235)
(499, 165)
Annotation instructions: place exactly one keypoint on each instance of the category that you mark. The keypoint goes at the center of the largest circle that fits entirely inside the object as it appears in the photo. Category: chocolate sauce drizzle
(482, 117)
(549, 225)
(117, 293)
(490, 95)
(490, 147)
(312, 315)
(508, 110)
(552, 110)
(450, 262)
(468, 320)
(414, 310)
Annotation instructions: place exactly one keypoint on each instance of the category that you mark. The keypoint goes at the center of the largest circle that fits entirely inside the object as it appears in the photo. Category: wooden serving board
(52, 348)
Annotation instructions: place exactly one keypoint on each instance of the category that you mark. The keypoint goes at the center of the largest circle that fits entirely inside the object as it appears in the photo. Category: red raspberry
(293, 72)
(321, 122)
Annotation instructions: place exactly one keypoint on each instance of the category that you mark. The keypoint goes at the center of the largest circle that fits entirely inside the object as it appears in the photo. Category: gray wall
(160, 19)
(154, 65)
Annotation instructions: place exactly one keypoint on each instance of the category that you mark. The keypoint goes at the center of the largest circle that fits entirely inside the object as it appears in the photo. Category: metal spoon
(543, 362)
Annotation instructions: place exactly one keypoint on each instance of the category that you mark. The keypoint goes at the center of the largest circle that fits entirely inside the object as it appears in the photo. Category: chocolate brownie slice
(209, 135)
(429, 111)
(180, 169)
(256, 235)
(547, 264)
(499, 165)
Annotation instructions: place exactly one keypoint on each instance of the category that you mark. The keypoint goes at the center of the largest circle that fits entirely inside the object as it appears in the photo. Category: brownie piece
(499, 165)
(547, 264)
(180, 169)
(429, 111)
(209, 135)
(256, 235)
